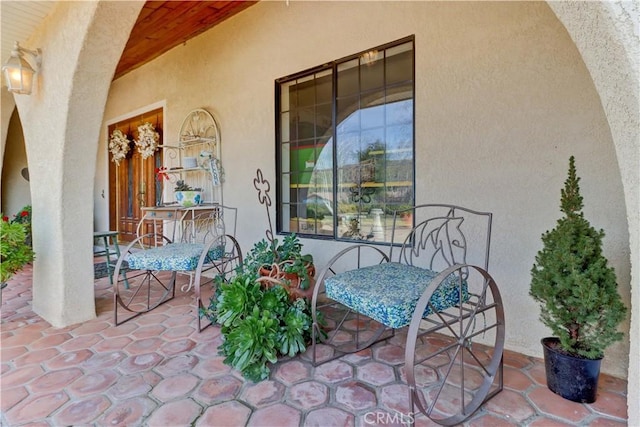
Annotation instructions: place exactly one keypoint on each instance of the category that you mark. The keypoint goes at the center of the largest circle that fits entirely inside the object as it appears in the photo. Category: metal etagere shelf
(195, 157)
(195, 160)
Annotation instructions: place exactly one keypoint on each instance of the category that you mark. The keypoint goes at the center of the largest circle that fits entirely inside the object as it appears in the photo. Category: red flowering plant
(24, 216)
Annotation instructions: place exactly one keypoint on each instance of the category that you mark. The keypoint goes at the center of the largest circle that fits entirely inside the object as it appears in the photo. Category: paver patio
(157, 370)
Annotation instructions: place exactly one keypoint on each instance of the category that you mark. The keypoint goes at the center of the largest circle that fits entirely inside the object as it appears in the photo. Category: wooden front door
(132, 183)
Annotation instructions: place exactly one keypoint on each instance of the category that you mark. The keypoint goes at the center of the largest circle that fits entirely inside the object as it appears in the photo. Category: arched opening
(16, 190)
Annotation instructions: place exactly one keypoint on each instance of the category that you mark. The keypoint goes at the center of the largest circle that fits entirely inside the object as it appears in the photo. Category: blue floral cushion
(389, 292)
(172, 257)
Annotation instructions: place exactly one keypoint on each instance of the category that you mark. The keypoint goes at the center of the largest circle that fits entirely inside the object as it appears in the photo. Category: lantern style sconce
(18, 73)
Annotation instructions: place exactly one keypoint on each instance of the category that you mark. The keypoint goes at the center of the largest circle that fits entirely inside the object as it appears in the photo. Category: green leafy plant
(258, 324)
(263, 253)
(294, 329)
(302, 267)
(570, 279)
(236, 298)
(15, 251)
(261, 320)
(251, 343)
(286, 255)
(289, 249)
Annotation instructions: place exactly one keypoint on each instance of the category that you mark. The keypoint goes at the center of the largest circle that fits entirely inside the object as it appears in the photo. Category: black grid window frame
(333, 68)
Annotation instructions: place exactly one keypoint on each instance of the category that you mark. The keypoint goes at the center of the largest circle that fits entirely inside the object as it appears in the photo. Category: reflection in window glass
(346, 145)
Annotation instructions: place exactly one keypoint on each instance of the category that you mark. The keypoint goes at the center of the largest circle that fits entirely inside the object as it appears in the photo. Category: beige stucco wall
(7, 105)
(503, 98)
(607, 34)
(18, 192)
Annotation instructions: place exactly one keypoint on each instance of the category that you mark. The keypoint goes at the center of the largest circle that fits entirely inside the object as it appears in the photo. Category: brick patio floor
(157, 370)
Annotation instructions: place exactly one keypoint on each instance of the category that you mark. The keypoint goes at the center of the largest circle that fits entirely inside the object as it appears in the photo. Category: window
(345, 144)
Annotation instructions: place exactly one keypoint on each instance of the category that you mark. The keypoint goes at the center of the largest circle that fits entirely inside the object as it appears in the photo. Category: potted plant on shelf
(578, 297)
(186, 195)
(15, 250)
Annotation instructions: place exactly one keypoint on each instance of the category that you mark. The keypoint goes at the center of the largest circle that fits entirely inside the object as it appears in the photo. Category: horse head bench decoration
(433, 286)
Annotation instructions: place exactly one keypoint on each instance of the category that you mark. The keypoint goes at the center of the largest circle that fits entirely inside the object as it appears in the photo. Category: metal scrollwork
(263, 187)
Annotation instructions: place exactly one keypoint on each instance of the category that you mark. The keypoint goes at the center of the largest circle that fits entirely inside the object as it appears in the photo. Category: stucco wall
(18, 192)
(607, 34)
(503, 99)
(7, 106)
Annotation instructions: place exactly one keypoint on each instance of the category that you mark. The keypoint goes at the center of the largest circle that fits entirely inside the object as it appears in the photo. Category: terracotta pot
(290, 281)
(295, 293)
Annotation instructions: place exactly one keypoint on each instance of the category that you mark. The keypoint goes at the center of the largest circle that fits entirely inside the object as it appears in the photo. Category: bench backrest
(209, 225)
(442, 235)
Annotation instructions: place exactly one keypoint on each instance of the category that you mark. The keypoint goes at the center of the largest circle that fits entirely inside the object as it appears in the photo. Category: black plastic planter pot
(573, 378)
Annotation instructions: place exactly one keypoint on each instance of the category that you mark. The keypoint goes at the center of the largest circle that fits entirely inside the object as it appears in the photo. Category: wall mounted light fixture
(18, 73)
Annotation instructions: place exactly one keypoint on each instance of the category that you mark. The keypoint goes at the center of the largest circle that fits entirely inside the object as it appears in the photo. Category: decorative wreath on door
(148, 139)
(118, 146)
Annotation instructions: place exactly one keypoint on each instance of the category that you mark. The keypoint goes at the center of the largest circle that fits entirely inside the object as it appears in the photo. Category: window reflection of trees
(375, 168)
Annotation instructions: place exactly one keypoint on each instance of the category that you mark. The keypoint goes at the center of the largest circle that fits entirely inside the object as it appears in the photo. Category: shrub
(15, 251)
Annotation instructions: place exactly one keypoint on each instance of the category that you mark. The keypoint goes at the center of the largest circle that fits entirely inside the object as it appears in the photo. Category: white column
(81, 43)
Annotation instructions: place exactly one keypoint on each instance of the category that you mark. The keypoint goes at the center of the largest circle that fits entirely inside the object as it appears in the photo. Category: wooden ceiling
(163, 25)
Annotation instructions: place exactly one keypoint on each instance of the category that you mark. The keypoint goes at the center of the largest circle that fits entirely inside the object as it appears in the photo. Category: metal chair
(207, 248)
(434, 285)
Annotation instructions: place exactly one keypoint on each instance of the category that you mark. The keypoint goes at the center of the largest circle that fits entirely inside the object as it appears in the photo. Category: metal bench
(207, 248)
(433, 285)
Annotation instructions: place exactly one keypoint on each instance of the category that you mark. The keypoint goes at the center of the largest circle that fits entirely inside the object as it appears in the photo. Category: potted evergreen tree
(578, 297)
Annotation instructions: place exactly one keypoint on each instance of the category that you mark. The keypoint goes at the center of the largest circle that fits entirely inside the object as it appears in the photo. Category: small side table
(108, 238)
